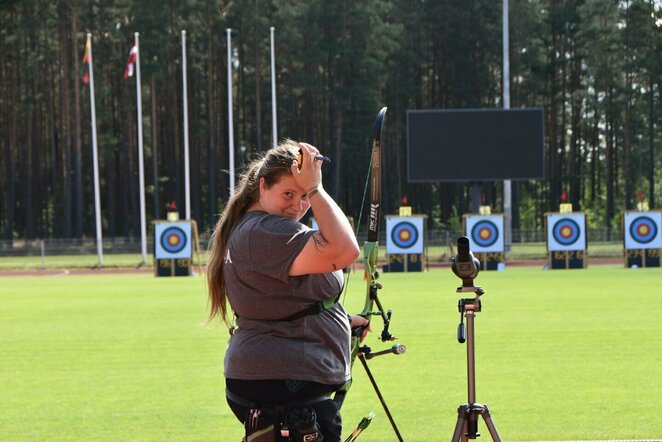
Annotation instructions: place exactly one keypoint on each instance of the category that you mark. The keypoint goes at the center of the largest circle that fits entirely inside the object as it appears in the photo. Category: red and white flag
(131, 62)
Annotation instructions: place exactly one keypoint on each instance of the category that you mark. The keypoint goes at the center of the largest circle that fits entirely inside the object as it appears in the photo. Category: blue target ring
(566, 232)
(643, 229)
(173, 240)
(484, 233)
(404, 235)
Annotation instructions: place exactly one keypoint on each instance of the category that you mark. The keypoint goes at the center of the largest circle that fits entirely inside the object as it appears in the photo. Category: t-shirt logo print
(228, 258)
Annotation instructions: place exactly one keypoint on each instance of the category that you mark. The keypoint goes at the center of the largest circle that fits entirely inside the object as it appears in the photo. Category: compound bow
(370, 249)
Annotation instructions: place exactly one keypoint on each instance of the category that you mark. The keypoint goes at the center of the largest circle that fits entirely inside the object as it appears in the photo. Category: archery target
(404, 234)
(643, 230)
(485, 233)
(172, 240)
(566, 232)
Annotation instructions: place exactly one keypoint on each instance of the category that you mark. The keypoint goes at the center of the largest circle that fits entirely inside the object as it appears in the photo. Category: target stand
(566, 240)
(174, 244)
(403, 262)
(642, 238)
(572, 259)
(490, 261)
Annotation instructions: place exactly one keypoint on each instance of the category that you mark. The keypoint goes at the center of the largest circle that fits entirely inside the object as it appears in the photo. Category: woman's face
(285, 198)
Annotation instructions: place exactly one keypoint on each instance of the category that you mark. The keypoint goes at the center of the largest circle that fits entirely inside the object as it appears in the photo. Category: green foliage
(593, 66)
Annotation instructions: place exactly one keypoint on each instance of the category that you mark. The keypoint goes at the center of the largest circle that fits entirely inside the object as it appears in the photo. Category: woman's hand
(356, 321)
(308, 175)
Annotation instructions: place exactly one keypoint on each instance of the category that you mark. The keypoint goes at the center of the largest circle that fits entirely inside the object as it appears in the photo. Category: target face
(566, 231)
(404, 234)
(172, 240)
(485, 233)
(642, 230)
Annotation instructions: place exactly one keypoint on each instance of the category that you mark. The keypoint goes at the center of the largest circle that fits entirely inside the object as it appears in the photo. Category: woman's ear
(261, 187)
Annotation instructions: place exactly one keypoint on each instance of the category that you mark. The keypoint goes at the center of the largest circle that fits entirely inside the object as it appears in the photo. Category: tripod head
(465, 265)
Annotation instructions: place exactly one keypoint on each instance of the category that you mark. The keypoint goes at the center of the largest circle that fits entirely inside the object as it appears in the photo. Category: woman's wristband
(312, 192)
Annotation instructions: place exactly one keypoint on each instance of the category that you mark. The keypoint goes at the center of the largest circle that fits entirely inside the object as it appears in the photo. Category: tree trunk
(176, 149)
(553, 92)
(4, 142)
(576, 158)
(651, 146)
(77, 154)
(258, 83)
(628, 129)
(12, 144)
(65, 119)
(609, 173)
(155, 161)
(595, 155)
(25, 166)
(211, 129)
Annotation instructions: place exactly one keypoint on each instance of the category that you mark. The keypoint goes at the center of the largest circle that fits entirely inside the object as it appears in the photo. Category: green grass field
(561, 355)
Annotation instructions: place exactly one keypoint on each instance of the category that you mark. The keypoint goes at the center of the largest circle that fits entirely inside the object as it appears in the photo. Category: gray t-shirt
(257, 260)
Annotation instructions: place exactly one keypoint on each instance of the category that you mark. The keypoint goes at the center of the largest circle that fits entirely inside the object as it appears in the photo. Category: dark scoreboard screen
(475, 145)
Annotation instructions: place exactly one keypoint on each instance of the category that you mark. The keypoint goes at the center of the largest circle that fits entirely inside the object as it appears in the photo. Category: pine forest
(593, 66)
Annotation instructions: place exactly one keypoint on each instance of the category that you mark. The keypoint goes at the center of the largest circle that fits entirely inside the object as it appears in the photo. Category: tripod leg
(468, 414)
(490, 425)
(461, 426)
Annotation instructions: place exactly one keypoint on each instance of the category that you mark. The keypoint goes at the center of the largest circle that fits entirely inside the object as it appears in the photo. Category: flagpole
(95, 155)
(187, 177)
(507, 187)
(274, 123)
(141, 171)
(230, 123)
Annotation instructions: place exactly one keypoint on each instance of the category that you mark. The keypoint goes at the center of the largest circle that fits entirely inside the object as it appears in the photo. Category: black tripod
(467, 414)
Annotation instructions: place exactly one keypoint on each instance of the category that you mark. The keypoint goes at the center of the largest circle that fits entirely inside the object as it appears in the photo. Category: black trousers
(280, 392)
